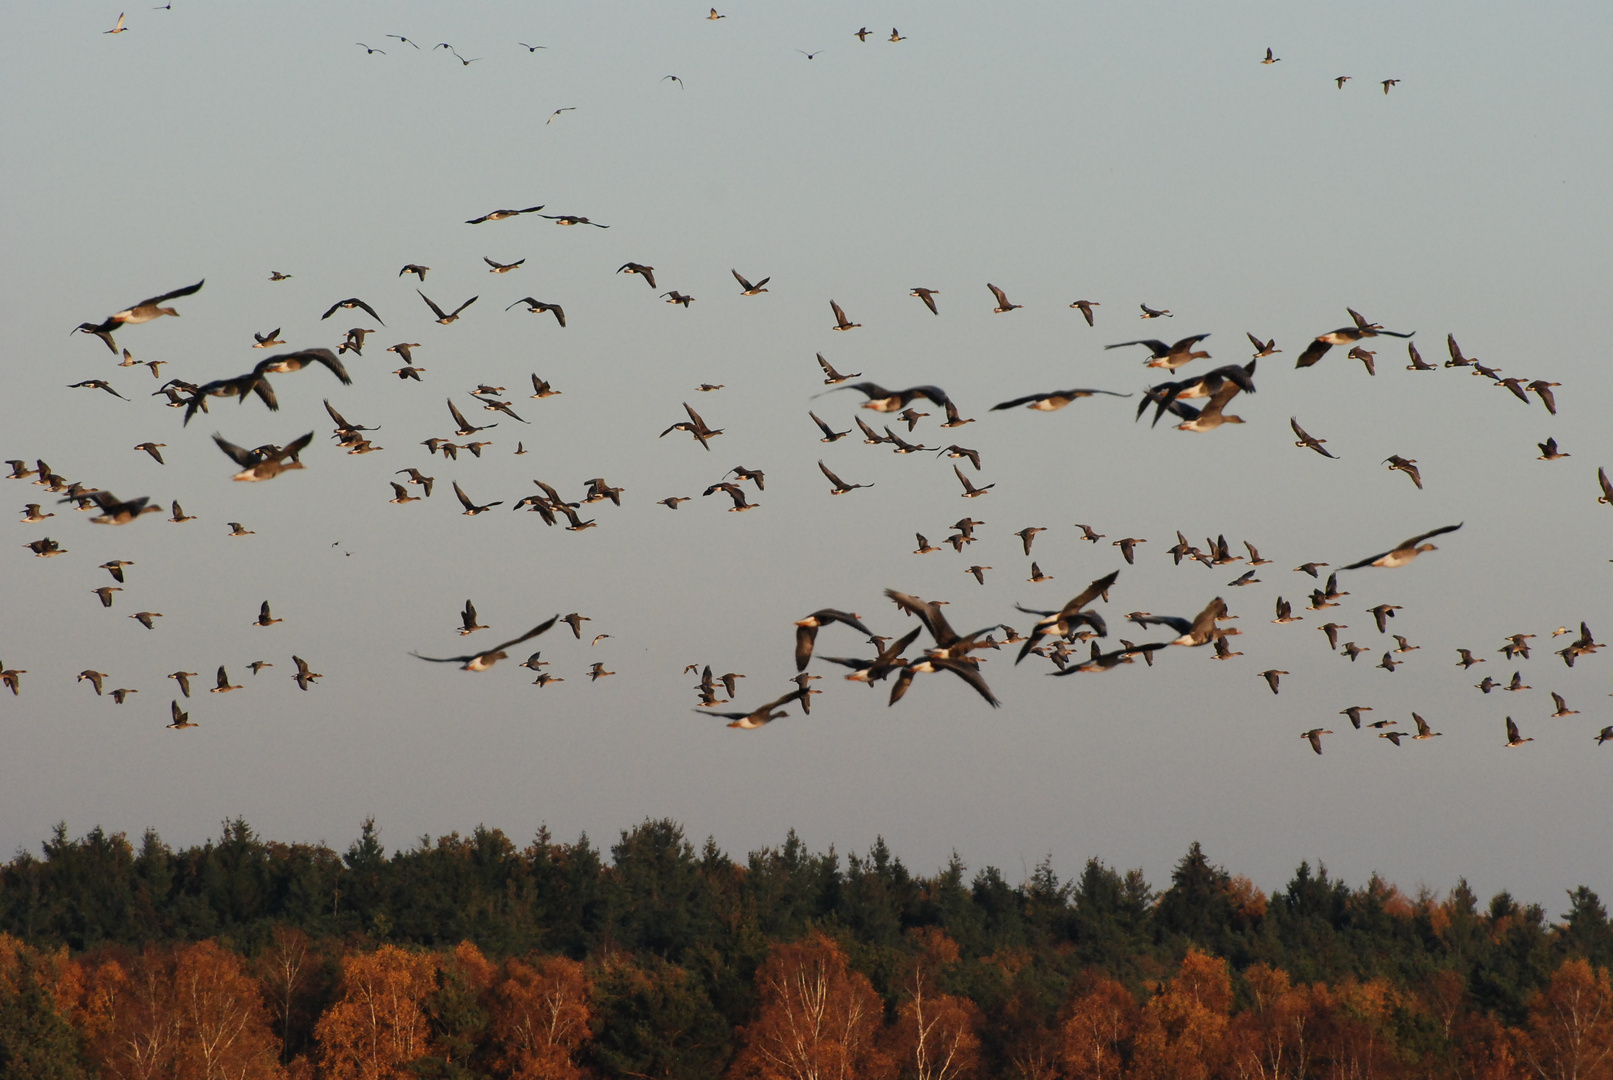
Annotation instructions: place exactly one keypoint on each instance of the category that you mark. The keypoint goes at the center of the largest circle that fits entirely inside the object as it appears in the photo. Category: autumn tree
(377, 1025)
(817, 1018)
(1183, 1030)
(1097, 1031)
(935, 1035)
(37, 994)
(1570, 1032)
(540, 1018)
(1274, 1039)
(222, 1028)
(130, 1017)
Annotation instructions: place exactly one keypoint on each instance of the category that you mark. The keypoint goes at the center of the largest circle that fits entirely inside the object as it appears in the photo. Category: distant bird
(979, 573)
(538, 307)
(969, 490)
(714, 15)
(1354, 713)
(1197, 631)
(304, 675)
(471, 509)
(571, 219)
(646, 272)
(115, 568)
(267, 341)
(352, 302)
(1170, 356)
(1549, 451)
(809, 55)
(746, 288)
(840, 486)
(928, 296)
(1407, 466)
(806, 631)
(1037, 577)
(675, 79)
(403, 39)
(1387, 83)
(1562, 706)
(93, 677)
(531, 48)
(1154, 313)
(1027, 535)
(105, 593)
(1315, 737)
(501, 268)
(764, 714)
(1417, 363)
(483, 660)
(237, 529)
(1085, 307)
(862, 35)
(265, 618)
(183, 678)
(446, 317)
(1347, 335)
(1513, 737)
(368, 51)
(1053, 400)
(675, 297)
(1270, 59)
(895, 36)
(734, 492)
(1423, 730)
(417, 270)
(264, 463)
(118, 29)
(224, 686)
(1607, 487)
(831, 377)
(841, 322)
(829, 434)
(889, 401)
(496, 215)
(1003, 305)
(181, 719)
(1542, 389)
(1605, 735)
(597, 671)
(569, 108)
(1366, 358)
(143, 312)
(1342, 79)
(575, 621)
(672, 503)
(97, 384)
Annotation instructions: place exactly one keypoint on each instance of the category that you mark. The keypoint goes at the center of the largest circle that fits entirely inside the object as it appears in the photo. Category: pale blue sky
(1120, 153)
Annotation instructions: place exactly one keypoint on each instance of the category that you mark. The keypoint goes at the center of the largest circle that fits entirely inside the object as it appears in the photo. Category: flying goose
(143, 312)
(1513, 737)
(1053, 400)
(746, 288)
(352, 302)
(471, 509)
(1315, 737)
(265, 618)
(1170, 356)
(93, 677)
(483, 660)
(538, 307)
(675, 297)
(1085, 307)
(1003, 305)
(181, 719)
(840, 486)
(1308, 441)
(1154, 313)
(501, 268)
(304, 674)
(496, 215)
(646, 272)
(1197, 631)
(1262, 348)
(263, 463)
(831, 377)
(1354, 713)
(1211, 416)
(105, 593)
(841, 322)
(1405, 551)
(734, 492)
(928, 296)
(829, 434)
(447, 318)
(1347, 335)
(773, 710)
(883, 400)
(1423, 730)
(1270, 59)
(969, 490)
(1062, 622)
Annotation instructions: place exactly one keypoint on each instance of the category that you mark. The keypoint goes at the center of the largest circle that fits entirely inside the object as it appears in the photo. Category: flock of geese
(1073, 639)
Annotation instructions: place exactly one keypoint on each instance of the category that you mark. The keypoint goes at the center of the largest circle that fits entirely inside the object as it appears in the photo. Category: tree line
(469, 957)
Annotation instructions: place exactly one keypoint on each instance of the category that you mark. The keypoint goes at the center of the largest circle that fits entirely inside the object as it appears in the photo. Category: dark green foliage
(35, 1042)
(662, 919)
(654, 1020)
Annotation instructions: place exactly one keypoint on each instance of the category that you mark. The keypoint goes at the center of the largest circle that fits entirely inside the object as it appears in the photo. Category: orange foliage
(377, 1026)
(817, 1019)
(540, 1017)
(935, 1037)
(1275, 1038)
(1570, 1034)
(1098, 1029)
(1183, 1032)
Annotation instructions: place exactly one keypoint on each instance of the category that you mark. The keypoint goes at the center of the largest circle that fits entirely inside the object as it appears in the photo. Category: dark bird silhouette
(352, 302)
(487, 658)
(500, 215)
(1347, 335)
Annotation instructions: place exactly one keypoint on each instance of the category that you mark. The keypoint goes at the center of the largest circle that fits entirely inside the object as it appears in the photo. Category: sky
(1127, 154)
